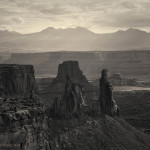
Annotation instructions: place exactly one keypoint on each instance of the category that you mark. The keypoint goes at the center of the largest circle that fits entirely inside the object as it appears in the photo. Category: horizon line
(75, 28)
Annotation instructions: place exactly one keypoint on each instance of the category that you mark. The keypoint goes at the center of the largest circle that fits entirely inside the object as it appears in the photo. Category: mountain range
(74, 39)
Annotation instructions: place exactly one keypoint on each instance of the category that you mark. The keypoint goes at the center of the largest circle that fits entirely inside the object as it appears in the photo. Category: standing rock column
(107, 102)
(71, 99)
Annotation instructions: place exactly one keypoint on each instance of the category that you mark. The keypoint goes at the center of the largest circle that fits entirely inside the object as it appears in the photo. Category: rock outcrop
(21, 113)
(107, 102)
(70, 68)
(17, 80)
(71, 100)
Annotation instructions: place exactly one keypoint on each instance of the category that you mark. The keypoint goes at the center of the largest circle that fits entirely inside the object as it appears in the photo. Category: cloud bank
(100, 16)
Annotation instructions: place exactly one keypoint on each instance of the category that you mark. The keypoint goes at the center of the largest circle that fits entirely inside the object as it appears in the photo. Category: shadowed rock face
(107, 102)
(17, 80)
(20, 108)
(71, 69)
(71, 100)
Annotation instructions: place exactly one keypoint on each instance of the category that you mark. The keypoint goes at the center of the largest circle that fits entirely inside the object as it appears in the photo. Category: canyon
(28, 123)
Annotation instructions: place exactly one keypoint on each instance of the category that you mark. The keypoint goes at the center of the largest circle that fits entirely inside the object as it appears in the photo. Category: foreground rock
(107, 102)
(87, 133)
(21, 113)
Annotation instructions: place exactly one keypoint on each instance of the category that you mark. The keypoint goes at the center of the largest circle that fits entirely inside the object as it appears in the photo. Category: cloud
(128, 4)
(18, 20)
(5, 27)
(95, 14)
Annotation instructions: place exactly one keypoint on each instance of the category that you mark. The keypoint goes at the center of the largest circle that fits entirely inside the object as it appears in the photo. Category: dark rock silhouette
(71, 69)
(107, 102)
(71, 100)
(17, 80)
(20, 109)
(24, 122)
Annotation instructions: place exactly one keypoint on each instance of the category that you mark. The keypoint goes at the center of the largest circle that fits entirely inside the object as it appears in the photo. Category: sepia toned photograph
(74, 75)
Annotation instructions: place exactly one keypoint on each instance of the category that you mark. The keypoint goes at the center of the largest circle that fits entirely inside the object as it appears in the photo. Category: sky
(100, 16)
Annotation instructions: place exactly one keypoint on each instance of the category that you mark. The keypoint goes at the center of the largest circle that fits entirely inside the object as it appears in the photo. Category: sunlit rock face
(107, 102)
(17, 80)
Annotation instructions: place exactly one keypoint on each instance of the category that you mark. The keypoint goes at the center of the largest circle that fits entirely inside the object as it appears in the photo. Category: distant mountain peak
(7, 32)
(48, 29)
(131, 30)
(76, 29)
(135, 30)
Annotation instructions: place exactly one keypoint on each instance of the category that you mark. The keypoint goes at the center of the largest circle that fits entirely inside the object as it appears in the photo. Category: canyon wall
(129, 63)
(17, 79)
(22, 116)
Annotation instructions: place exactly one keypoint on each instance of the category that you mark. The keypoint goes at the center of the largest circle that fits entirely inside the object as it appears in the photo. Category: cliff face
(129, 63)
(17, 80)
(21, 113)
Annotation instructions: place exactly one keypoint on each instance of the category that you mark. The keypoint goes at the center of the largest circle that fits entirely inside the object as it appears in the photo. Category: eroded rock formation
(71, 100)
(25, 125)
(21, 113)
(70, 68)
(17, 80)
(107, 102)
